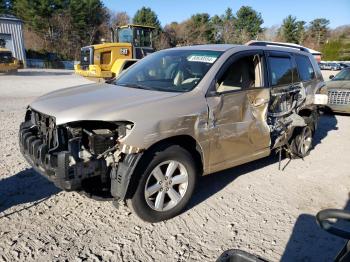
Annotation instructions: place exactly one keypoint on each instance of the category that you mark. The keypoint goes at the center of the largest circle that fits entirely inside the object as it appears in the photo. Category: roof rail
(268, 43)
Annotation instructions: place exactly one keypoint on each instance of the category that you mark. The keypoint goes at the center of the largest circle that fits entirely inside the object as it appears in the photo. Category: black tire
(138, 202)
(301, 135)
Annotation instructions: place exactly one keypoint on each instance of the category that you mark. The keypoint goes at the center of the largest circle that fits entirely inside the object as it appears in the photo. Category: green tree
(301, 31)
(229, 27)
(38, 15)
(292, 30)
(146, 16)
(64, 25)
(87, 17)
(228, 14)
(248, 24)
(318, 30)
(200, 28)
(171, 30)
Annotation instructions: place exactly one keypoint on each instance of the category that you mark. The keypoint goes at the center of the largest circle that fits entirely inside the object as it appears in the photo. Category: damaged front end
(81, 155)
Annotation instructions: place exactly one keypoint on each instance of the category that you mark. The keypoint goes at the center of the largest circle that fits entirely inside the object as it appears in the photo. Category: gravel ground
(254, 207)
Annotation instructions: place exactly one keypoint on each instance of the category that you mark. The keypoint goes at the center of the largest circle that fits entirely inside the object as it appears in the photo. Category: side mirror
(331, 76)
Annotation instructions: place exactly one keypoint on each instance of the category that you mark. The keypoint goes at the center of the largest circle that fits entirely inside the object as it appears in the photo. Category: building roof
(10, 18)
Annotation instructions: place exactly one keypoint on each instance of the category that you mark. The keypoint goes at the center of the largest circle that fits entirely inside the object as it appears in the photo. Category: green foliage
(331, 50)
(87, 16)
(146, 16)
(318, 30)
(336, 50)
(37, 14)
(200, 28)
(248, 23)
(292, 30)
(239, 28)
(64, 25)
(228, 14)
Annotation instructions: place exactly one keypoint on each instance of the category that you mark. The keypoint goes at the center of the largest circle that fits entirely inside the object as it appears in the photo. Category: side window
(105, 58)
(244, 73)
(282, 71)
(306, 71)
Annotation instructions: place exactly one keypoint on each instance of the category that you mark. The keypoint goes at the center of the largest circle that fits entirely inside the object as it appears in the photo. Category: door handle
(259, 101)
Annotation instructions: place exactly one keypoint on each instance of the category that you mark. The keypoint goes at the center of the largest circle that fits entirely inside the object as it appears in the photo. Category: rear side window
(281, 70)
(306, 71)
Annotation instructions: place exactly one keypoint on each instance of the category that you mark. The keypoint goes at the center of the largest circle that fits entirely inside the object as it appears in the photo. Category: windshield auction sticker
(201, 58)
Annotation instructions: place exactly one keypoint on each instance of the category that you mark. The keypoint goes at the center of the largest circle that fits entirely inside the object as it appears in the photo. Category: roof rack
(268, 43)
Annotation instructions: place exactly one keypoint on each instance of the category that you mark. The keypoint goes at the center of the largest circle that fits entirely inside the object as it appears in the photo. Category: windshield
(343, 75)
(125, 35)
(170, 70)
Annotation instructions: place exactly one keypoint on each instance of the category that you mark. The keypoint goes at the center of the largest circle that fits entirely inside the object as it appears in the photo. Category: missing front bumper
(56, 166)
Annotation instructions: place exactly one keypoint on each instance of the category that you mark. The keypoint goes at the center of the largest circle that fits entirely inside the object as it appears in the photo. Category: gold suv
(177, 114)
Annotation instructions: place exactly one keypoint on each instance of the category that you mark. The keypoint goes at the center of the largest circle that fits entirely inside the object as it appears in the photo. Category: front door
(238, 112)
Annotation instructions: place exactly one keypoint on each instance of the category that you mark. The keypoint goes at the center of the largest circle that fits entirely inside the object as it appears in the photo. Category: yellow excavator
(104, 61)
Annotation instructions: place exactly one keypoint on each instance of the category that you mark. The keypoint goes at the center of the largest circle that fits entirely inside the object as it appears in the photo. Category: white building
(11, 30)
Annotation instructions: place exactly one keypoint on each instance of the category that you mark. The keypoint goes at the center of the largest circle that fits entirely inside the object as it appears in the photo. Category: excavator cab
(140, 37)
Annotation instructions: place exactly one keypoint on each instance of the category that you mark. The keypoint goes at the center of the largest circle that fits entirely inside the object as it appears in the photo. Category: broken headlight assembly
(96, 137)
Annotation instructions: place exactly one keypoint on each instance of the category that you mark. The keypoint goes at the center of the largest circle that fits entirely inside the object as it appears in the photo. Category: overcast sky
(272, 11)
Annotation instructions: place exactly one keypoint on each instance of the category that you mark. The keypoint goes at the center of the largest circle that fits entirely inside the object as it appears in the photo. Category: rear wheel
(301, 143)
(166, 185)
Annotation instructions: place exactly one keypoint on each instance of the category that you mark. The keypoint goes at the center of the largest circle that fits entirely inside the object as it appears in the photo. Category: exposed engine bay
(78, 155)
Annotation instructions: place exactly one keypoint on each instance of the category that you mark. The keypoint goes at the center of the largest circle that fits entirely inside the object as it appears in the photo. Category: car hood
(99, 102)
(338, 84)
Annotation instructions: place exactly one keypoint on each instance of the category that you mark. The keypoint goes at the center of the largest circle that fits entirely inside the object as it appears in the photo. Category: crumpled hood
(98, 102)
(338, 84)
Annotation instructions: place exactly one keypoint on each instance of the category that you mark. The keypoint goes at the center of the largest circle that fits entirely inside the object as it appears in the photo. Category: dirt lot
(254, 207)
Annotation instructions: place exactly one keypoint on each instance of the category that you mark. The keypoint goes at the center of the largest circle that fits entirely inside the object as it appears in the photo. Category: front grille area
(44, 128)
(48, 149)
(339, 97)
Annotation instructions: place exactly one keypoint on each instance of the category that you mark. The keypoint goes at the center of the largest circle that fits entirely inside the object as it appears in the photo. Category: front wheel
(166, 185)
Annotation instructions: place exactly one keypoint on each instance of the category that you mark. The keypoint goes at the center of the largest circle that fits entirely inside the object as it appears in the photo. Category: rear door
(307, 76)
(283, 76)
(237, 111)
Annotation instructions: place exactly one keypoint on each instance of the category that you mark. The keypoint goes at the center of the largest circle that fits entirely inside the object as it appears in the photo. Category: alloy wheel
(166, 185)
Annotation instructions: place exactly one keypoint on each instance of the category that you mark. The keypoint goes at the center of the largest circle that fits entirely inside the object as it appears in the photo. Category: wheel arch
(310, 113)
(185, 141)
